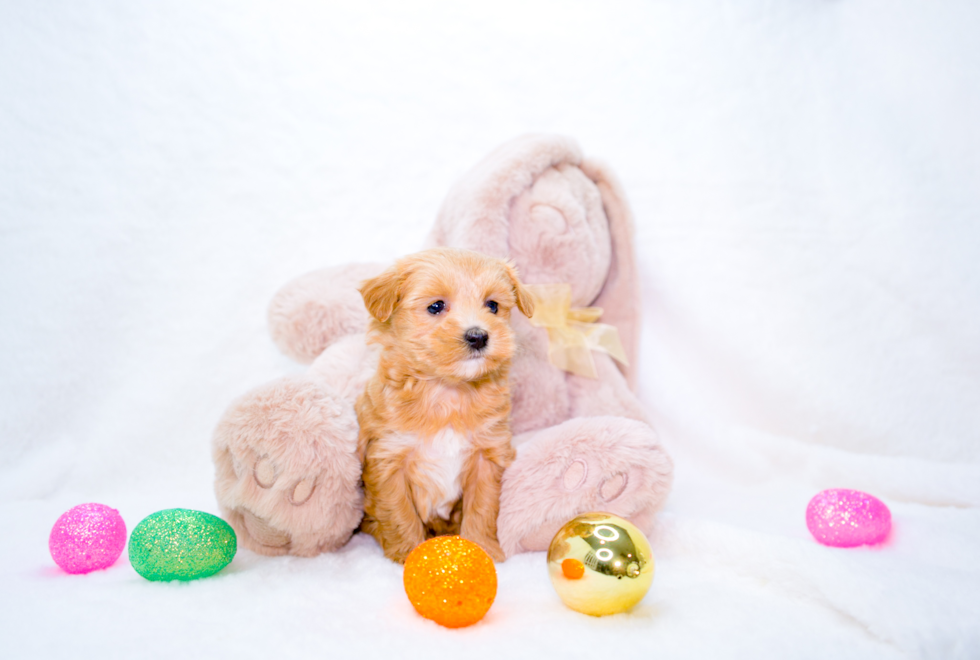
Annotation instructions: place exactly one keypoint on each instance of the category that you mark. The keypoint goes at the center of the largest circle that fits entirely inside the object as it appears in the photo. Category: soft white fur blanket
(806, 186)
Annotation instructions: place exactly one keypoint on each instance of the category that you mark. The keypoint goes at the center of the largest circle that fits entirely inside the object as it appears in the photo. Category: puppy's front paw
(397, 557)
(491, 547)
(398, 554)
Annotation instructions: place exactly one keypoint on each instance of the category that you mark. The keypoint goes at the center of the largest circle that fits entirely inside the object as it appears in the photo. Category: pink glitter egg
(87, 537)
(845, 518)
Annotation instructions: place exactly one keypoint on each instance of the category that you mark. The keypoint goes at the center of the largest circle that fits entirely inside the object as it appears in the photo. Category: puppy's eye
(492, 306)
(436, 307)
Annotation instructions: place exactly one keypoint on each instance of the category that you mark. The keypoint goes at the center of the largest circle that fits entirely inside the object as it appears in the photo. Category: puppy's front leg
(481, 501)
(390, 511)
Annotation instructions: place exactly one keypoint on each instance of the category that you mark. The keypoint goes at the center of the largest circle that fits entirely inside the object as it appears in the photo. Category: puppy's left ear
(525, 301)
(382, 293)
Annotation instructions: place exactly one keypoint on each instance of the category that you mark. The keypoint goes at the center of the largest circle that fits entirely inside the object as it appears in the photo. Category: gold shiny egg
(600, 564)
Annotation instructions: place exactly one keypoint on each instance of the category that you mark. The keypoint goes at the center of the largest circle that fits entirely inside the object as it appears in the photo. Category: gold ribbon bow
(573, 333)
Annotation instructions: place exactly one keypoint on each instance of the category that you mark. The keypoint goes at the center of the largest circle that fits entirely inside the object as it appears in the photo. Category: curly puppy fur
(435, 419)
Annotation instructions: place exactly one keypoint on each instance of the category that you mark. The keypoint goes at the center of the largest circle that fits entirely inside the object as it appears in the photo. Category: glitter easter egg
(845, 518)
(450, 580)
(600, 564)
(181, 544)
(87, 537)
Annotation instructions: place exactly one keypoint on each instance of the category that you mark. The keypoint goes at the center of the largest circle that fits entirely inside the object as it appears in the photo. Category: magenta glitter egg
(87, 537)
(846, 518)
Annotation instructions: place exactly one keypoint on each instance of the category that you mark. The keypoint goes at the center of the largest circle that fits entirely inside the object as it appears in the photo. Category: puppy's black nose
(476, 338)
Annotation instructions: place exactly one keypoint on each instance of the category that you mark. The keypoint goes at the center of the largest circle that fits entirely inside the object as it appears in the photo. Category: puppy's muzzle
(477, 338)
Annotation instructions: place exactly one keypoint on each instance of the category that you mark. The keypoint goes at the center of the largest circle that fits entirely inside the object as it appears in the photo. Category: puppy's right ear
(382, 293)
(525, 301)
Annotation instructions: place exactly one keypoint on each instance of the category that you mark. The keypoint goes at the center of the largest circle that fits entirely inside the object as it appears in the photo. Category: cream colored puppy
(435, 419)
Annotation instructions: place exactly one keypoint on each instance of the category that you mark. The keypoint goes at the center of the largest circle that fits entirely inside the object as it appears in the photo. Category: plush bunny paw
(609, 464)
(288, 477)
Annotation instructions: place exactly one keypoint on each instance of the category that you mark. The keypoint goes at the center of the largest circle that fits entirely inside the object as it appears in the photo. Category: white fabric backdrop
(806, 183)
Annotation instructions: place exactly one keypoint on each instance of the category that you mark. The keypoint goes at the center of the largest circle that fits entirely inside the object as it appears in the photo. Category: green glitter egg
(181, 544)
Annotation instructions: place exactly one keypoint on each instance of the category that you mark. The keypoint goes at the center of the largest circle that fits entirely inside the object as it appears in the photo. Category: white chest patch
(436, 467)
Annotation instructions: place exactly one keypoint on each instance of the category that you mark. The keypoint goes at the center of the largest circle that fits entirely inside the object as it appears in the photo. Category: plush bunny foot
(288, 477)
(586, 464)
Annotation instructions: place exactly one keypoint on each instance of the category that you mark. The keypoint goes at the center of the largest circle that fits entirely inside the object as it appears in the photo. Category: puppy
(435, 418)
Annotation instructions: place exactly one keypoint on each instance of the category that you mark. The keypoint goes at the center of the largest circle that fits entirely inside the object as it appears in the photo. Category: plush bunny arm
(314, 310)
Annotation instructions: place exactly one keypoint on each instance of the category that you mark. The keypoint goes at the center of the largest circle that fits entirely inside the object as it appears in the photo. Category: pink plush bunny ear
(480, 209)
(620, 296)
(476, 213)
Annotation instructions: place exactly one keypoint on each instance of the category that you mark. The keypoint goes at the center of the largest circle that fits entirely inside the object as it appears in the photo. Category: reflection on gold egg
(600, 564)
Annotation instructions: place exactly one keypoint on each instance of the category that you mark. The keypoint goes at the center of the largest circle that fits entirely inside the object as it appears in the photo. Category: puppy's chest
(435, 466)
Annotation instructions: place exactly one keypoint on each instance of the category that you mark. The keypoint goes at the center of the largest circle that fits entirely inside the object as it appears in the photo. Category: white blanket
(806, 185)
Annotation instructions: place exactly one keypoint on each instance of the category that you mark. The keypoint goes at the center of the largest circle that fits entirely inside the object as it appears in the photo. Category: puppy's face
(445, 312)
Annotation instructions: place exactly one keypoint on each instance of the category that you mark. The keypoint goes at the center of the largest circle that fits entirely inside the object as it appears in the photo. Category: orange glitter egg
(450, 580)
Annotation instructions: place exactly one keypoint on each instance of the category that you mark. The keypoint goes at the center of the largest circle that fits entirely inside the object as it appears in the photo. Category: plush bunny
(288, 477)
